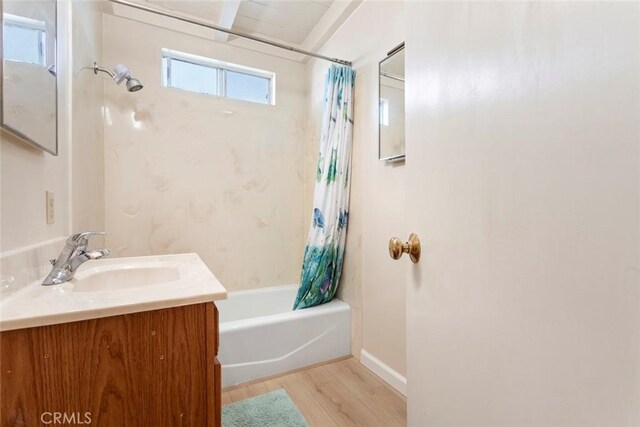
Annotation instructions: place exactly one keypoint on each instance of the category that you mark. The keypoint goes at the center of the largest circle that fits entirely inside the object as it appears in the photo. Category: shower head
(120, 73)
(134, 85)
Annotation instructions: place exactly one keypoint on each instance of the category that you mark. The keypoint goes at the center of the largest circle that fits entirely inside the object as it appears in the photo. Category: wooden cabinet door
(151, 368)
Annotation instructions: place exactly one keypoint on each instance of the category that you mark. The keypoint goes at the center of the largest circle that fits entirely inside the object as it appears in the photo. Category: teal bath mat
(275, 409)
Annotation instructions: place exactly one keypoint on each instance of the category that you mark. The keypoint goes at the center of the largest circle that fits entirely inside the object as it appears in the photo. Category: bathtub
(261, 336)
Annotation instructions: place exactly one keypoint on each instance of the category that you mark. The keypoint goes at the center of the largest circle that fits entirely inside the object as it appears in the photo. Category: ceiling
(287, 21)
(302, 24)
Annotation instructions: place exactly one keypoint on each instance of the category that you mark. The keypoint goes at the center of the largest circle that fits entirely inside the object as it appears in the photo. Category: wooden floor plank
(341, 393)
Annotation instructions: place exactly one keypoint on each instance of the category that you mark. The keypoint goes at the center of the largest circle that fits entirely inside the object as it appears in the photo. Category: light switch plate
(51, 208)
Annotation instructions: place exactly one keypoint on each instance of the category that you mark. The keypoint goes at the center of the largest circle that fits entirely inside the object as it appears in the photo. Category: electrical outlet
(51, 208)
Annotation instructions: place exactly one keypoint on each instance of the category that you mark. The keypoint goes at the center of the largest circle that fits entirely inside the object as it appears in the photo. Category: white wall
(75, 176)
(523, 154)
(372, 283)
(27, 172)
(188, 172)
(87, 119)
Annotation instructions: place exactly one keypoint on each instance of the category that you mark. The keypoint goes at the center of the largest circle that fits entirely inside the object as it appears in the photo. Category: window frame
(222, 68)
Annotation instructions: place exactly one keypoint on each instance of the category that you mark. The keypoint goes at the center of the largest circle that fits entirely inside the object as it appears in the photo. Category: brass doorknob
(412, 247)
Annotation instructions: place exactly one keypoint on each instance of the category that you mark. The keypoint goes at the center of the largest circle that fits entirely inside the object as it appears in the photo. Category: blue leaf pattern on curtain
(324, 252)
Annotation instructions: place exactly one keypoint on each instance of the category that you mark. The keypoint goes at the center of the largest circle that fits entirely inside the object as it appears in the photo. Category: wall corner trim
(385, 372)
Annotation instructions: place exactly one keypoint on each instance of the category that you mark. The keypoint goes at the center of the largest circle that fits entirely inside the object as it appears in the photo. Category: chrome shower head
(133, 84)
(120, 73)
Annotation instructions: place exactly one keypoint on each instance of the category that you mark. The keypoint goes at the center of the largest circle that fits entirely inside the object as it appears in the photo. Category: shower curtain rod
(392, 76)
(232, 32)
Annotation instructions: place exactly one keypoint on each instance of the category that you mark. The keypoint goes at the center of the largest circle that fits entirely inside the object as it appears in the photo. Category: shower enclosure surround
(156, 368)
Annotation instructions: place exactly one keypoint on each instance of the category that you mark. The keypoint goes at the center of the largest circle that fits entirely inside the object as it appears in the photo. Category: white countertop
(191, 282)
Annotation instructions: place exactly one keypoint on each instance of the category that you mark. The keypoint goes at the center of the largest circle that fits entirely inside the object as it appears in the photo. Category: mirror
(391, 106)
(28, 70)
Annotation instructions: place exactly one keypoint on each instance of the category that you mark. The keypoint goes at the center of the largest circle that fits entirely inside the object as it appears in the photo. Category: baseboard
(382, 370)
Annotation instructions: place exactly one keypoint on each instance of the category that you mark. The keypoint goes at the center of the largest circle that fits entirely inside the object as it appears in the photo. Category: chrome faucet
(74, 254)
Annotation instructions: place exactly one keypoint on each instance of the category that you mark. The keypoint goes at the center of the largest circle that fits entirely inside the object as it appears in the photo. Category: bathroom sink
(110, 287)
(123, 277)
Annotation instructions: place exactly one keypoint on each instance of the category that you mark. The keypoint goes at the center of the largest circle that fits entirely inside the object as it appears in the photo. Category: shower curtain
(324, 252)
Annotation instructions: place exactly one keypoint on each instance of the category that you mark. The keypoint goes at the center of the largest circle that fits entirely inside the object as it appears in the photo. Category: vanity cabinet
(153, 368)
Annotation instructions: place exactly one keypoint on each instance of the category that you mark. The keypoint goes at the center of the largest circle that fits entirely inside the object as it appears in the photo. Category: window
(24, 39)
(204, 75)
(384, 112)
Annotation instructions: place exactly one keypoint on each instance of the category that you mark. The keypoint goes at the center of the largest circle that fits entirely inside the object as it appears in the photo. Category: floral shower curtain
(324, 252)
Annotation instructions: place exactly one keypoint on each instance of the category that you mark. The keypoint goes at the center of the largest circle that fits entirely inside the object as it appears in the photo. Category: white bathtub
(260, 335)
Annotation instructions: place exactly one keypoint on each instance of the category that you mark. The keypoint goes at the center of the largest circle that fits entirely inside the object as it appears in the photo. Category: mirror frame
(399, 157)
(7, 128)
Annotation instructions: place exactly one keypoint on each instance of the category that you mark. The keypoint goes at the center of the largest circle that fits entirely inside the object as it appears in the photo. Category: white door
(523, 157)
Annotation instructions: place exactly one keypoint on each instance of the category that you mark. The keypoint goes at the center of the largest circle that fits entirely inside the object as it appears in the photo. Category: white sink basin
(123, 277)
(110, 287)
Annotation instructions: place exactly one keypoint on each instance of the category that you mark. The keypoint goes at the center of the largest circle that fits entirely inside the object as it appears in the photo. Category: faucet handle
(83, 238)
